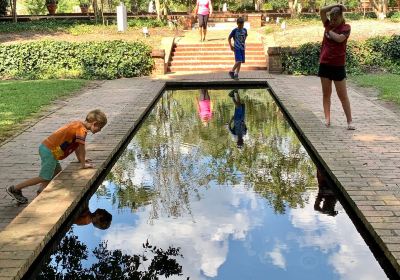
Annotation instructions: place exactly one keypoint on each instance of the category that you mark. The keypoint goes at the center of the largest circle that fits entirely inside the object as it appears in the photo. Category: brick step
(217, 63)
(212, 49)
(216, 45)
(219, 68)
(215, 58)
(213, 53)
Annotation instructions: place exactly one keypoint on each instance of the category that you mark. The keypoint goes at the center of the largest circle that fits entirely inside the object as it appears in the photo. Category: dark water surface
(186, 201)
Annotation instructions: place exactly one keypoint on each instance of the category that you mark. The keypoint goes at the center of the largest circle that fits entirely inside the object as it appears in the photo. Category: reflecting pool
(214, 185)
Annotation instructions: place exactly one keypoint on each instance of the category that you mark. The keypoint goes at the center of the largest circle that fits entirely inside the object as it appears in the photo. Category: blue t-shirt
(239, 127)
(239, 37)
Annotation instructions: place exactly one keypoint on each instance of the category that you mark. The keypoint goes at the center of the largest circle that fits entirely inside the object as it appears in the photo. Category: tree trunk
(14, 10)
(258, 4)
(158, 9)
(380, 8)
(293, 8)
(134, 7)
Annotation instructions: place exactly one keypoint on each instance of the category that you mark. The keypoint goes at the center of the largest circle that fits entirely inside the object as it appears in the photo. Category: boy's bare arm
(230, 42)
(81, 155)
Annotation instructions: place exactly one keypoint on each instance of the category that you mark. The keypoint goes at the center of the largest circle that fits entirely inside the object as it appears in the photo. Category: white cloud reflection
(337, 237)
(224, 214)
(276, 255)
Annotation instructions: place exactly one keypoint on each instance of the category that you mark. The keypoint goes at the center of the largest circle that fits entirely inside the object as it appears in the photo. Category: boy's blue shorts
(48, 163)
(239, 55)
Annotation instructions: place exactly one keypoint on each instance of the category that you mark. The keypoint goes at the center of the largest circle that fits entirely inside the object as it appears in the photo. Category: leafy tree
(67, 262)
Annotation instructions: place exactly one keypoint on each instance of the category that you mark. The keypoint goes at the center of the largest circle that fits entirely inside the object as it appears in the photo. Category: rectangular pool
(214, 185)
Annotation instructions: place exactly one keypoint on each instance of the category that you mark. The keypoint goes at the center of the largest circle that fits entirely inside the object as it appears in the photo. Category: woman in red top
(332, 60)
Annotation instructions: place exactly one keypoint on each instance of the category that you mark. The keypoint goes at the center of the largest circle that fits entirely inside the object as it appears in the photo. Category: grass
(20, 100)
(388, 85)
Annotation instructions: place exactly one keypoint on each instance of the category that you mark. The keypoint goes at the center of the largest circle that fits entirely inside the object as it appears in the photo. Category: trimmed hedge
(88, 60)
(378, 53)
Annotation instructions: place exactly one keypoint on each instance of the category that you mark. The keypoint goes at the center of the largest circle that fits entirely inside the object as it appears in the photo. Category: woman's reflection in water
(204, 106)
(325, 196)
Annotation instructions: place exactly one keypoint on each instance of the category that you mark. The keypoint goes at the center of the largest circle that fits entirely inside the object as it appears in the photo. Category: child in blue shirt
(239, 36)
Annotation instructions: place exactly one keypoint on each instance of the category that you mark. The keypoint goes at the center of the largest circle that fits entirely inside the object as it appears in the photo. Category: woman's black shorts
(335, 73)
(203, 19)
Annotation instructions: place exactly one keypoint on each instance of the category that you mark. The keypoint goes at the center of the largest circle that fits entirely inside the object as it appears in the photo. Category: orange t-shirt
(66, 139)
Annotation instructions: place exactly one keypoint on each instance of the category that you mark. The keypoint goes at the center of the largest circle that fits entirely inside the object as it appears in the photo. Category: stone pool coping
(28, 233)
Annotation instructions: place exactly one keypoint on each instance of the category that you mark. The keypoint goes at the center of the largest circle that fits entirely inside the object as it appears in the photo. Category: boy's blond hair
(97, 116)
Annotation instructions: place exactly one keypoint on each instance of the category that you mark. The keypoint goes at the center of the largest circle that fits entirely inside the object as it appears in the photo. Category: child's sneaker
(17, 195)
(231, 74)
(236, 77)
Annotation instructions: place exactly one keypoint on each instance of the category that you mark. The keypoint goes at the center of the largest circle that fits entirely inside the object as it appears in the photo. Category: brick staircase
(214, 57)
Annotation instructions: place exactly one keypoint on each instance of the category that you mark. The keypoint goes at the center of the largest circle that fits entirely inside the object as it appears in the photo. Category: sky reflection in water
(242, 212)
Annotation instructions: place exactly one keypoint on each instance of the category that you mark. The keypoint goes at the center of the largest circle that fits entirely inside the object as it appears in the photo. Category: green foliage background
(89, 60)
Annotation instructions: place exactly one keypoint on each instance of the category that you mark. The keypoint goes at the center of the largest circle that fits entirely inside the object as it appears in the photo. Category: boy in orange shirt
(60, 144)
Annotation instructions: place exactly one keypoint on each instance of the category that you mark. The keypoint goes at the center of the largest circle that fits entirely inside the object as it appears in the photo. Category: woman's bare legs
(201, 33)
(341, 90)
(326, 99)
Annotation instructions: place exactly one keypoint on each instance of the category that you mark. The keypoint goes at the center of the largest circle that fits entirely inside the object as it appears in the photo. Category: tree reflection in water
(174, 155)
(67, 262)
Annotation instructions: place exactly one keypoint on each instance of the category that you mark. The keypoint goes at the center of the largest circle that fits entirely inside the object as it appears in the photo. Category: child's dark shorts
(334, 73)
(240, 55)
(203, 19)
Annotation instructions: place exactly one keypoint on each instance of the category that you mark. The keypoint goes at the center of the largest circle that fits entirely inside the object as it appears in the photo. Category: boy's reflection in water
(100, 218)
(325, 196)
(237, 125)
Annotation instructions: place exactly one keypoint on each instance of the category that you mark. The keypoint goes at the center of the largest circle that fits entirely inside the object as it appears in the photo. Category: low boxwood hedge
(377, 53)
(88, 60)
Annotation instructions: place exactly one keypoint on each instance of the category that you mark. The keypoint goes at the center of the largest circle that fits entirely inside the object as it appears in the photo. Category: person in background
(203, 10)
(333, 59)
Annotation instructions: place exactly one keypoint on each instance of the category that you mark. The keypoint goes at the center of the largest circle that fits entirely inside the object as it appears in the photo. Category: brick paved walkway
(364, 163)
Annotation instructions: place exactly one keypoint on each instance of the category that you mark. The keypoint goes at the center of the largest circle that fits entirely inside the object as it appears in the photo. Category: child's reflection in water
(237, 125)
(326, 198)
(100, 218)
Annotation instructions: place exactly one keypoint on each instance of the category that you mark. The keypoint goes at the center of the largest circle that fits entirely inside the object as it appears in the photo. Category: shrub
(303, 61)
(90, 60)
(148, 22)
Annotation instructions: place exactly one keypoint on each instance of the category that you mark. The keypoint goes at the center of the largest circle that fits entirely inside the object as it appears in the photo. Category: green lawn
(388, 85)
(20, 100)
